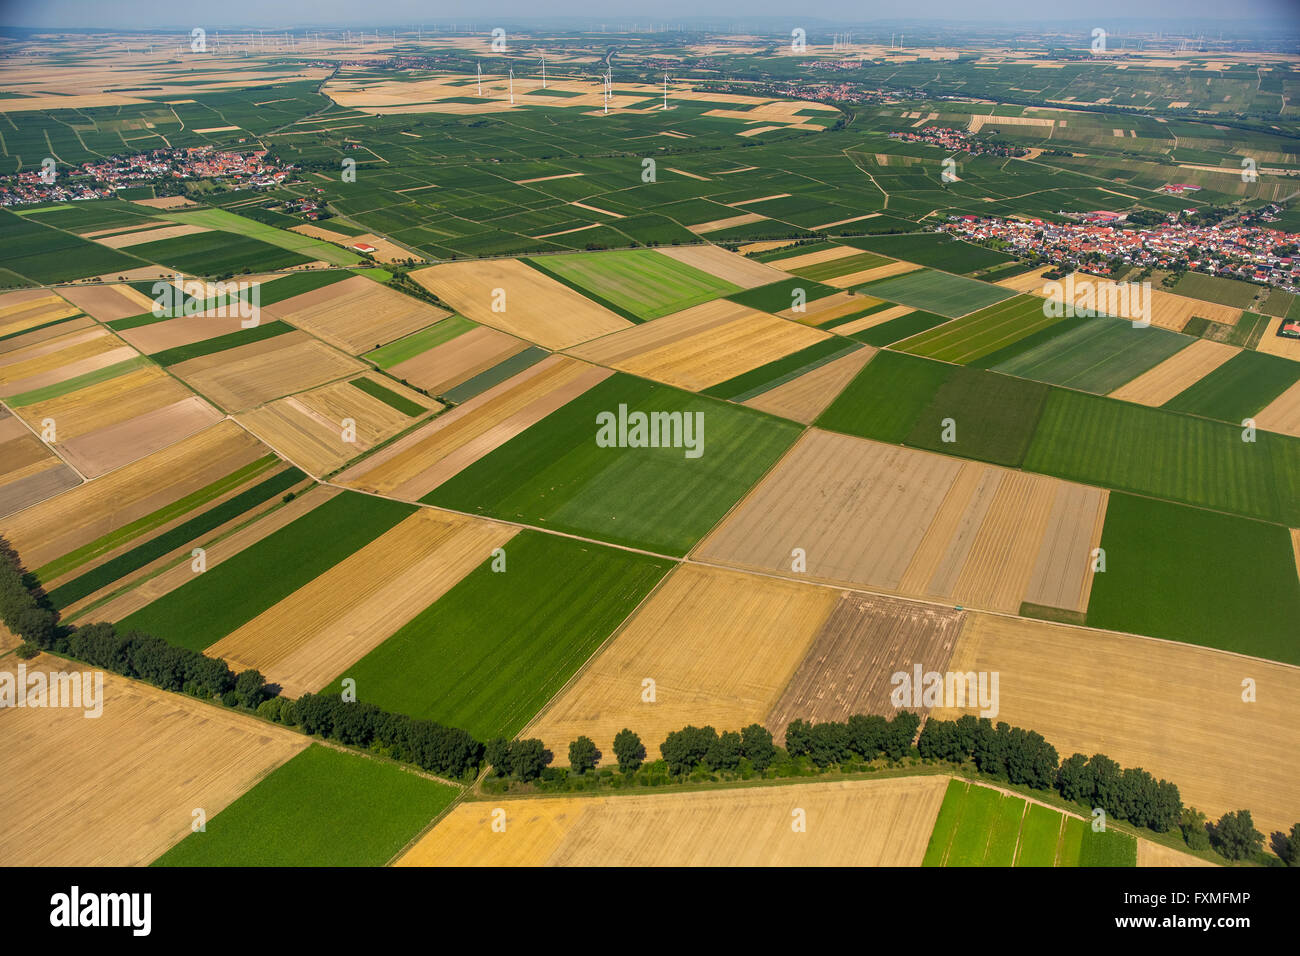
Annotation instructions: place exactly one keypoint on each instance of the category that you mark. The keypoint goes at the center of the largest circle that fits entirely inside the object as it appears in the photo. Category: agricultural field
(979, 826)
(324, 807)
(719, 828)
(399, 422)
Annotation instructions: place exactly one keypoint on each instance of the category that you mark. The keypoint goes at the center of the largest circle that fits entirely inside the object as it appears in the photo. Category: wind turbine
(512, 85)
(480, 79)
(543, 71)
(665, 91)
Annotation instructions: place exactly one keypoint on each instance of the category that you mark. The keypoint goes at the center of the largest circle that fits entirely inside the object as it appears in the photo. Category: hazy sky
(157, 14)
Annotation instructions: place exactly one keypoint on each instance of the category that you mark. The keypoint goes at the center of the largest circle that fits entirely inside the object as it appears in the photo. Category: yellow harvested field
(1181, 370)
(1295, 546)
(701, 346)
(726, 223)
(1063, 575)
(1283, 413)
(138, 236)
(166, 202)
(357, 314)
(89, 511)
(448, 365)
(820, 256)
(1031, 281)
(309, 638)
(727, 266)
(29, 470)
(823, 496)
(536, 307)
(106, 403)
(830, 307)
(804, 398)
(59, 359)
(108, 303)
(845, 823)
(308, 429)
(979, 122)
(1157, 854)
(1173, 709)
(418, 463)
(232, 540)
(912, 522)
(765, 245)
(248, 375)
(1273, 344)
(872, 274)
(719, 645)
(874, 319)
(120, 789)
(1168, 311)
(20, 311)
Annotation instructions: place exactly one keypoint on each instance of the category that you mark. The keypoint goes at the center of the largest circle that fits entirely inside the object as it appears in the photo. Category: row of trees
(861, 737)
(429, 745)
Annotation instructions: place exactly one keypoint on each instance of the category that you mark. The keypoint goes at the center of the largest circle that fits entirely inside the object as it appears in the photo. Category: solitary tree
(629, 751)
(583, 755)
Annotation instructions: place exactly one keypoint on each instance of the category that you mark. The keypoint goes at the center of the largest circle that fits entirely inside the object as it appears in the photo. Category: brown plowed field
(451, 363)
(357, 314)
(864, 642)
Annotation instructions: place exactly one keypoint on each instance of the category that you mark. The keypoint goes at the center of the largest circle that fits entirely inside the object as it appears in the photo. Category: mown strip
(745, 386)
(221, 599)
(72, 384)
(496, 374)
(73, 559)
(135, 559)
(220, 343)
(388, 397)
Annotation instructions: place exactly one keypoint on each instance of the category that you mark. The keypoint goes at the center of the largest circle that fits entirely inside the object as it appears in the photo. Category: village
(102, 179)
(1242, 248)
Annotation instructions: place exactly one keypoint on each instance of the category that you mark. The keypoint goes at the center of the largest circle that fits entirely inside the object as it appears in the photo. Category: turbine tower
(480, 78)
(512, 86)
(543, 71)
(665, 90)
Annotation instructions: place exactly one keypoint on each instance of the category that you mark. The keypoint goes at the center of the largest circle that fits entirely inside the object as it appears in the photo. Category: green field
(887, 397)
(979, 826)
(993, 416)
(934, 250)
(70, 385)
(933, 291)
(642, 282)
(1238, 388)
(1199, 577)
(982, 333)
(1198, 285)
(228, 222)
(556, 476)
(779, 296)
(1150, 451)
(390, 398)
(222, 598)
(834, 268)
(488, 654)
(1096, 355)
(417, 343)
(887, 333)
(324, 807)
(221, 343)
